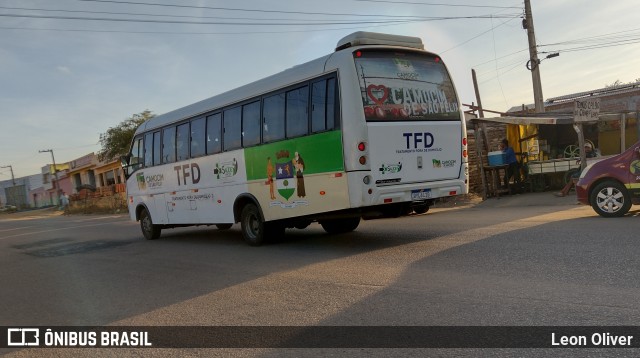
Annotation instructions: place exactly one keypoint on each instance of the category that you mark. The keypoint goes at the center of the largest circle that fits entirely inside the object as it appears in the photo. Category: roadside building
(52, 194)
(616, 129)
(109, 177)
(82, 172)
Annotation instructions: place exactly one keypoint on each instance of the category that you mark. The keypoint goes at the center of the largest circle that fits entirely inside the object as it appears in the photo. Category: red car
(611, 185)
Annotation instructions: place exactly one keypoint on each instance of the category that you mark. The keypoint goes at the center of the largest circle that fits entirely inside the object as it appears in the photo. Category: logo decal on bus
(390, 168)
(149, 181)
(444, 163)
(142, 185)
(289, 173)
(226, 169)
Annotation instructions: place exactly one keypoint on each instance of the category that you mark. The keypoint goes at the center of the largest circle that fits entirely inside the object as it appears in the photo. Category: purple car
(611, 185)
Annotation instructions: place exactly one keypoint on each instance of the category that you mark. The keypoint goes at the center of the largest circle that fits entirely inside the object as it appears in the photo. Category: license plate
(421, 194)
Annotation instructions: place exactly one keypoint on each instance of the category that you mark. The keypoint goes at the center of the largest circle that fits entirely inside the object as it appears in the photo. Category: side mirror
(124, 160)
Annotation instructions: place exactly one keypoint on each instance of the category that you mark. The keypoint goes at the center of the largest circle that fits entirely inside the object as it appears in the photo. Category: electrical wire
(440, 4)
(207, 22)
(248, 10)
(480, 34)
(152, 15)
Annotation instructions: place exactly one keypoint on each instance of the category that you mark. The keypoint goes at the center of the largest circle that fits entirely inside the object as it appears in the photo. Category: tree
(116, 140)
(616, 83)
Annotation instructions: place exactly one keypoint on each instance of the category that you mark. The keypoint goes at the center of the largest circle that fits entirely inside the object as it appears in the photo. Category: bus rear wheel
(149, 230)
(339, 226)
(254, 230)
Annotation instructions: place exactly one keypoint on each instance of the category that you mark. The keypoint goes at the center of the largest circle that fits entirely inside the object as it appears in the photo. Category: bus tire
(339, 226)
(150, 231)
(253, 226)
(421, 209)
(224, 226)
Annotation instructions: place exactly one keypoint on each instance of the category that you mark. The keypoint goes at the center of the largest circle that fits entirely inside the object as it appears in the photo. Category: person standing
(589, 153)
(64, 203)
(512, 161)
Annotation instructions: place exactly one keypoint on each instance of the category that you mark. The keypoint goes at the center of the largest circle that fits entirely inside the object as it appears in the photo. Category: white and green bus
(374, 129)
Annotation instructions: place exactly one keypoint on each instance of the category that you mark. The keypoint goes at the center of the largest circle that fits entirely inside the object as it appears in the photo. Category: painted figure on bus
(298, 164)
(270, 171)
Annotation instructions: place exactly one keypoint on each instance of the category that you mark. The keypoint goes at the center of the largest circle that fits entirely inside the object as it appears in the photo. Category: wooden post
(623, 132)
(479, 145)
(583, 153)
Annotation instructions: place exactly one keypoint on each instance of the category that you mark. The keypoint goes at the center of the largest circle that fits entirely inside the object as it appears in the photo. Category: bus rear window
(402, 86)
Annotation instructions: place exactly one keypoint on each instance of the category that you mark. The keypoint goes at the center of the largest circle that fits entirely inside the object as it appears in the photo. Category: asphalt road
(499, 263)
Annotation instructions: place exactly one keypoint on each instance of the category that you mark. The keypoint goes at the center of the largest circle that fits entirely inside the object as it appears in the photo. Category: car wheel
(149, 230)
(610, 199)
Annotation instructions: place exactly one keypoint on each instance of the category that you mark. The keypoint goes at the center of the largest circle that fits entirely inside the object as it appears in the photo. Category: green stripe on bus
(320, 153)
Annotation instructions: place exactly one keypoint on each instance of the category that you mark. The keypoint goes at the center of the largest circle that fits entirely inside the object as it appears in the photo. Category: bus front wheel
(149, 230)
(339, 226)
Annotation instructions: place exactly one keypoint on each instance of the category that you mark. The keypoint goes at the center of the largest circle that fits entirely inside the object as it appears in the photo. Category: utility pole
(482, 138)
(533, 62)
(55, 170)
(13, 179)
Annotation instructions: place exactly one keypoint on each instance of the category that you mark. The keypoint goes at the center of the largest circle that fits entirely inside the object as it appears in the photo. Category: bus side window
(169, 145)
(273, 121)
(214, 133)
(135, 161)
(156, 148)
(331, 104)
(319, 106)
(182, 142)
(148, 150)
(298, 112)
(197, 137)
(251, 124)
(232, 128)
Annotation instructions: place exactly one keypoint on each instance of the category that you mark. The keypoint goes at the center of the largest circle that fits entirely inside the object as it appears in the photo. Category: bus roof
(362, 38)
(279, 80)
(283, 79)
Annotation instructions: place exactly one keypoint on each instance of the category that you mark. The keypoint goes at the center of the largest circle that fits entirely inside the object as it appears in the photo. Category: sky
(71, 69)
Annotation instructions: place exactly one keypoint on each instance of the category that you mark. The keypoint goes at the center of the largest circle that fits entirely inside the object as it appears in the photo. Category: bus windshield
(402, 86)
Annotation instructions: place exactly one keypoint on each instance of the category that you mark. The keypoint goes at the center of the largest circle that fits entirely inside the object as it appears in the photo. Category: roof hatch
(372, 38)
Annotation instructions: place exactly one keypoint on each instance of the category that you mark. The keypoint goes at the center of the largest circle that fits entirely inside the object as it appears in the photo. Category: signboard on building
(586, 110)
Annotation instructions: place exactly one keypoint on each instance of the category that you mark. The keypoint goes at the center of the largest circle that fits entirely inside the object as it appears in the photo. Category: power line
(196, 33)
(253, 10)
(439, 4)
(152, 15)
(213, 22)
(480, 34)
